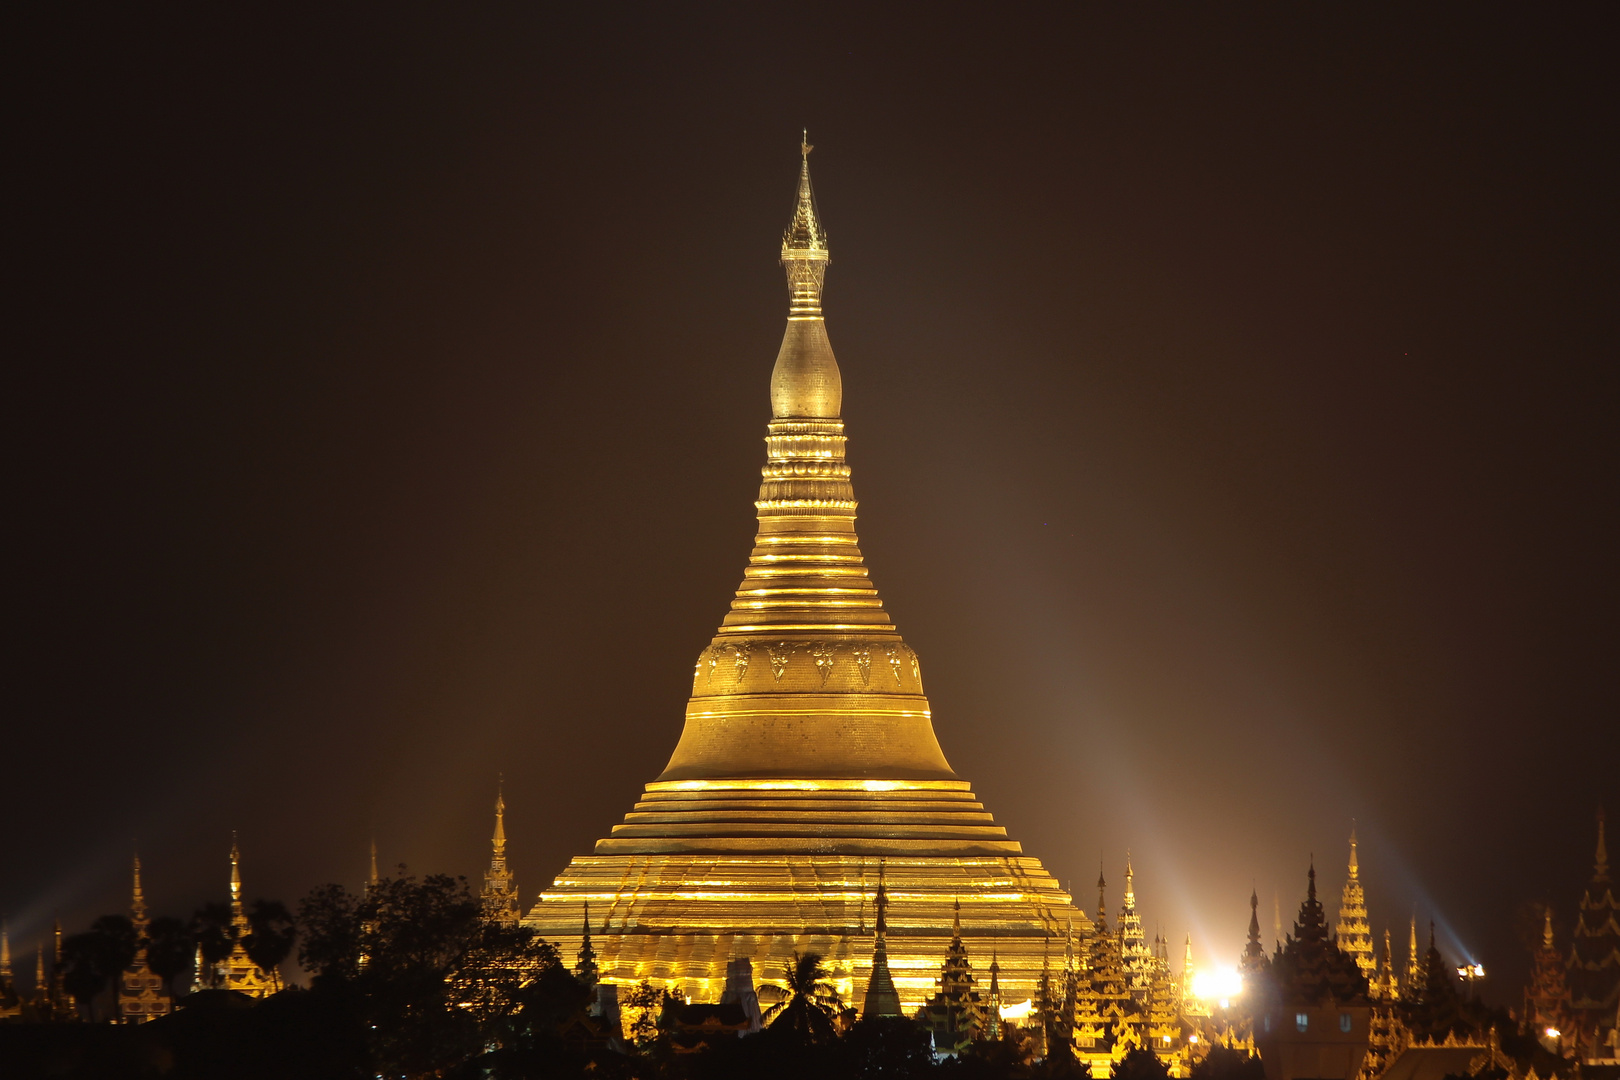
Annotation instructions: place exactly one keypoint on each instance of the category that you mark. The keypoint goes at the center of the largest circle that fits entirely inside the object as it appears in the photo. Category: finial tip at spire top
(805, 382)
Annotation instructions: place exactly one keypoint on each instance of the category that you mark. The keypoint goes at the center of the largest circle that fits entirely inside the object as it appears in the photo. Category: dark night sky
(1232, 403)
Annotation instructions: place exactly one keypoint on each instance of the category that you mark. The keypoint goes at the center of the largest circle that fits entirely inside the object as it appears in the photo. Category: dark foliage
(93, 961)
(1225, 1063)
(885, 1046)
(211, 932)
(432, 985)
(170, 950)
(271, 933)
(1140, 1064)
(806, 1015)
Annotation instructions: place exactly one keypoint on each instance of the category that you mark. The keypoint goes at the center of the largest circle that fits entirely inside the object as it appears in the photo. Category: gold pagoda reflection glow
(808, 759)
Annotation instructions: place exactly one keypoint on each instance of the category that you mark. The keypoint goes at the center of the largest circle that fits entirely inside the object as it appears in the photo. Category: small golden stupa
(808, 759)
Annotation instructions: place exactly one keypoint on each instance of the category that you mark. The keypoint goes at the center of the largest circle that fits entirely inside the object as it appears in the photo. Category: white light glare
(1222, 984)
(1018, 1012)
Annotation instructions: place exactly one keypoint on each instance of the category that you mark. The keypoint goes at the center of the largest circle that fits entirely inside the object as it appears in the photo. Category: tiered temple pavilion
(808, 757)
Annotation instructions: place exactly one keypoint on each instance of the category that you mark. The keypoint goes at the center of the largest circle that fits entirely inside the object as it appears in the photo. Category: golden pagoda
(808, 756)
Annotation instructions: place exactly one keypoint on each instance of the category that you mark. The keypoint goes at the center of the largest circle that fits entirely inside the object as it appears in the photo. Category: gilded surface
(803, 762)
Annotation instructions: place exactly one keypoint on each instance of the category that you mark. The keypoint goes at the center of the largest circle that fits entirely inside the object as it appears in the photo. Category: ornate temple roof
(1310, 967)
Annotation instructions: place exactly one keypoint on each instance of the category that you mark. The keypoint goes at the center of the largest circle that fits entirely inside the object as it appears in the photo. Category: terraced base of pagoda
(849, 817)
(676, 919)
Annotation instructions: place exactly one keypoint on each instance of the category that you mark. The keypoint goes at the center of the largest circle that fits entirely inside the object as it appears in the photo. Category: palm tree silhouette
(811, 1004)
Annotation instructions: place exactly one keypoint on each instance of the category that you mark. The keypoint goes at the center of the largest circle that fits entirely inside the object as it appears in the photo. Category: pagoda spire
(238, 971)
(585, 969)
(1254, 953)
(1187, 968)
(1102, 900)
(1354, 933)
(1135, 955)
(807, 636)
(1414, 965)
(806, 382)
(137, 904)
(994, 1007)
(371, 882)
(239, 921)
(500, 896)
(882, 999)
(5, 954)
(142, 995)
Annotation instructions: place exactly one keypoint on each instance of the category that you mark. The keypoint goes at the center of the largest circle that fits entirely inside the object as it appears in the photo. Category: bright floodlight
(1018, 1012)
(1221, 984)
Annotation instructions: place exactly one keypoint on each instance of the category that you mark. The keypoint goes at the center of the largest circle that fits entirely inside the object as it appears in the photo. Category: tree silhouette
(1225, 1063)
(94, 960)
(272, 931)
(81, 971)
(1140, 1063)
(169, 950)
(811, 1003)
(431, 983)
(210, 930)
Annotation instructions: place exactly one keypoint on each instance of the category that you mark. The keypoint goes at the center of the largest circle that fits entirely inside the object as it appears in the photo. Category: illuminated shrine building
(808, 755)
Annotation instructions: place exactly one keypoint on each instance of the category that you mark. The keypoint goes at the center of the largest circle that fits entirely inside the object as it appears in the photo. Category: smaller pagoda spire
(585, 969)
(1102, 901)
(236, 880)
(371, 882)
(882, 999)
(1414, 965)
(1187, 970)
(5, 954)
(500, 889)
(137, 903)
(1254, 953)
(994, 1009)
